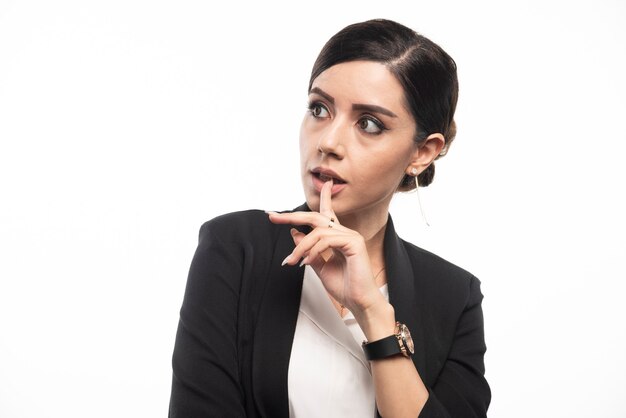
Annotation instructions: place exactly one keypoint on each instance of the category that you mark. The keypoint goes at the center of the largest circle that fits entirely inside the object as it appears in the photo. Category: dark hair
(425, 71)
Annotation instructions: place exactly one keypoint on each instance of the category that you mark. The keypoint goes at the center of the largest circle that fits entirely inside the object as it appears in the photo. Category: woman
(354, 321)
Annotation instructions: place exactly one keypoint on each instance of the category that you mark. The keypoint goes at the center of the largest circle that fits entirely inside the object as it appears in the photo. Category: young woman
(324, 311)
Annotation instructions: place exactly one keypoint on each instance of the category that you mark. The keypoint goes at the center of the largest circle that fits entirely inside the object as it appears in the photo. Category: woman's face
(357, 117)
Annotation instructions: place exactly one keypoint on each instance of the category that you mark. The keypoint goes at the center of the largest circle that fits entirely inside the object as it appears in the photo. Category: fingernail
(286, 260)
(271, 212)
(304, 261)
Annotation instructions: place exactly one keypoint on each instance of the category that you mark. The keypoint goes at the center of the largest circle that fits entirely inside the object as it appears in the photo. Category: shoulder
(440, 276)
(434, 263)
(241, 226)
(242, 221)
(248, 226)
(244, 224)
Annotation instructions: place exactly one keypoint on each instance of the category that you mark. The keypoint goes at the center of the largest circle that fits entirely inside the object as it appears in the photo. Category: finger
(326, 205)
(303, 245)
(312, 219)
(319, 252)
(296, 235)
(306, 242)
(326, 255)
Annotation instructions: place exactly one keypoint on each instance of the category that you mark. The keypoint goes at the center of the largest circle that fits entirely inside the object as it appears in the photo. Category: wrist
(377, 321)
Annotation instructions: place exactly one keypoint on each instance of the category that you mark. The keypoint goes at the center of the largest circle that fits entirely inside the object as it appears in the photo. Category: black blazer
(239, 313)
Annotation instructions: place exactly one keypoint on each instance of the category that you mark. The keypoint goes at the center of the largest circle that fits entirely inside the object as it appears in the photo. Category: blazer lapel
(275, 330)
(403, 293)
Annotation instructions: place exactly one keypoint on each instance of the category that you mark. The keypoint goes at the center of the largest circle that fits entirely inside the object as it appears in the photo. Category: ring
(331, 223)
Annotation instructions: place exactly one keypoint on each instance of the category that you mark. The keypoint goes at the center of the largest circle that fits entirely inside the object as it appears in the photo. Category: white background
(126, 124)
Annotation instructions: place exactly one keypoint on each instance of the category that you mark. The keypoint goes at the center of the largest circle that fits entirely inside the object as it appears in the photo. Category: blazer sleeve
(205, 367)
(461, 389)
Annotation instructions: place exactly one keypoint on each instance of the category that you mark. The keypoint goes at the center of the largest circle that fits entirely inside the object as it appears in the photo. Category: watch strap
(383, 348)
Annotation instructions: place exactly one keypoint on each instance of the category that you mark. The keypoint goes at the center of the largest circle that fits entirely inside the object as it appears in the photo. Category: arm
(400, 391)
(460, 389)
(205, 367)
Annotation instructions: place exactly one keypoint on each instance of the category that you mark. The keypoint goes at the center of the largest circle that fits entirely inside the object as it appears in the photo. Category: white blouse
(329, 375)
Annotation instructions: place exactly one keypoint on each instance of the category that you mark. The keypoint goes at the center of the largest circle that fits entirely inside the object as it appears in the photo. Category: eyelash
(376, 122)
(312, 105)
(381, 126)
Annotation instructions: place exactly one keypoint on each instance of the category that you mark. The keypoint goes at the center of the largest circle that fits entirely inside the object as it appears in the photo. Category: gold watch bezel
(405, 341)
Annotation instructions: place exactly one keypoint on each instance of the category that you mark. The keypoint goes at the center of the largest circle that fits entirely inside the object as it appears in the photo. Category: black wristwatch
(398, 343)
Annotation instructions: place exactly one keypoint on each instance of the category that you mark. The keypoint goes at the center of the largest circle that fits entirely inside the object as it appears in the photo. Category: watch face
(406, 337)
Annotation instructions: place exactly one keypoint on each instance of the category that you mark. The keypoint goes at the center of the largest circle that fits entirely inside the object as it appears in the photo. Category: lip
(327, 172)
(318, 183)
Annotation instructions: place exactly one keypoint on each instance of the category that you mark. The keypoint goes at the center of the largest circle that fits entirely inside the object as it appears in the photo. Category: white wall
(126, 124)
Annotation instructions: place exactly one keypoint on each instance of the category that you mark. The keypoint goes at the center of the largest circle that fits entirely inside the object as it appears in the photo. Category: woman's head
(426, 73)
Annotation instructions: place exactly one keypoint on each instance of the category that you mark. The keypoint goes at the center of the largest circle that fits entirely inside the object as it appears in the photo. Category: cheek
(303, 142)
(387, 169)
(308, 141)
(307, 150)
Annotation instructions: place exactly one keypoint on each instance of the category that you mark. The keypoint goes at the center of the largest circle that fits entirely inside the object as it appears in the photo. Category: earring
(417, 191)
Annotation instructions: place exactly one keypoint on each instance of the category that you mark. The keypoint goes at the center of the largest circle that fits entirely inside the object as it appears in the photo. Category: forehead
(362, 82)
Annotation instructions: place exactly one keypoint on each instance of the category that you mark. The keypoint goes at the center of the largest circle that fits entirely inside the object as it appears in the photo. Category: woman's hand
(337, 254)
(339, 257)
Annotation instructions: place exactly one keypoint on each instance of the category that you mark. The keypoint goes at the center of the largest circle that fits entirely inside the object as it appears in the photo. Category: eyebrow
(356, 106)
(322, 93)
(374, 109)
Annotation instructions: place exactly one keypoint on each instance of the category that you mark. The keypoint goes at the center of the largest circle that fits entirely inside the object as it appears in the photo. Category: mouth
(325, 175)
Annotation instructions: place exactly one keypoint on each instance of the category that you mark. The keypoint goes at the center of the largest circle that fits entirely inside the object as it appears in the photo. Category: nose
(333, 139)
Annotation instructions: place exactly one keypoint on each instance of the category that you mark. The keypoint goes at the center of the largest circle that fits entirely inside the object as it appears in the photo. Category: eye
(318, 110)
(371, 125)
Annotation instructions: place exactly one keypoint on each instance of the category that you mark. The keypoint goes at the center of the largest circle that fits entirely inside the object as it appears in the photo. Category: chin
(312, 201)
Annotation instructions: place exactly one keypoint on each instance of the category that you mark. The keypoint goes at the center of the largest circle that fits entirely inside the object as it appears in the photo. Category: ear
(425, 154)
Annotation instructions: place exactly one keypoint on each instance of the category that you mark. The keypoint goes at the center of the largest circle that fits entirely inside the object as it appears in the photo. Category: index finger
(313, 219)
(326, 205)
